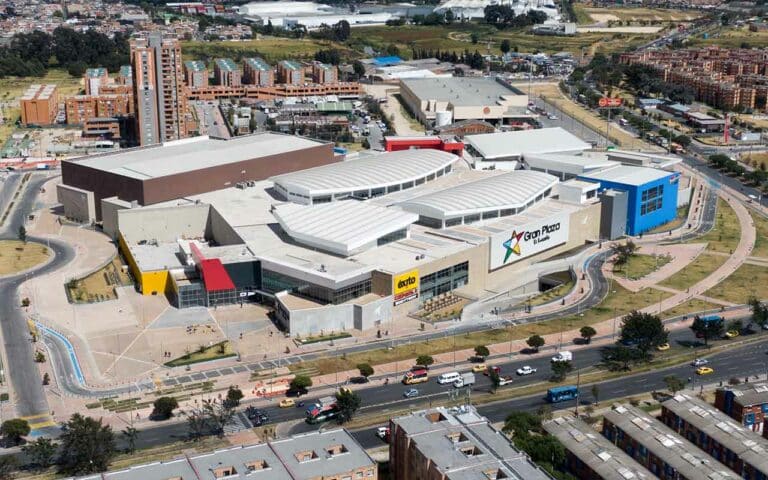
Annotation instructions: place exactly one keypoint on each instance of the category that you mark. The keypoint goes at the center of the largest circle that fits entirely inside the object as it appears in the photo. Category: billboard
(405, 287)
(509, 246)
(609, 102)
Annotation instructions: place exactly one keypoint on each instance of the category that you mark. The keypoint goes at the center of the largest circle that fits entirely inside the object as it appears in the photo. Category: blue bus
(711, 318)
(561, 394)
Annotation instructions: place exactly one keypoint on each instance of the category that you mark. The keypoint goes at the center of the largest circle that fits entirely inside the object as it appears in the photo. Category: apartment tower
(158, 83)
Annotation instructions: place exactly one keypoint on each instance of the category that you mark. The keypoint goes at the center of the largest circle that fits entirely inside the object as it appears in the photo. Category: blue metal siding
(637, 222)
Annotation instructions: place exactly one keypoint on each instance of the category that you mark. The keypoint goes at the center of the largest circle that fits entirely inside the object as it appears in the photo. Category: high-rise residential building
(195, 73)
(290, 72)
(158, 83)
(324, 73)
(94, 78)
(258, 72)
(39, 105)
(125, 76)
(227, 73)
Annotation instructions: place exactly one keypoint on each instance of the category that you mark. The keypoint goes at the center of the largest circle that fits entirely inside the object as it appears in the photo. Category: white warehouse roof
(511, 190)
(628, 175)
(570, 164)
(507, 144)
(376, 171)
(344, 228)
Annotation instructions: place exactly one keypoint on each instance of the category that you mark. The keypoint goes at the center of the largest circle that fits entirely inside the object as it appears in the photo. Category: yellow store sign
(405, 286)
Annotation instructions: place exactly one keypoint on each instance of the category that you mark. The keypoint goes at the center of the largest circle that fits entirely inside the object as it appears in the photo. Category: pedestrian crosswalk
(239, 423)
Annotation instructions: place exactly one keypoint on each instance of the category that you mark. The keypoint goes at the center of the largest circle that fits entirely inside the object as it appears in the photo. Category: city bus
(562, 394)
(415, 376)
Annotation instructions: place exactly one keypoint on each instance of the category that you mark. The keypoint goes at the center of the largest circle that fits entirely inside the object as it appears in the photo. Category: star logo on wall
(513, 244)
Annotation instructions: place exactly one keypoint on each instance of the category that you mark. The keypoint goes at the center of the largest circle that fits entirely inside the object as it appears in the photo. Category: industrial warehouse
(353, 244)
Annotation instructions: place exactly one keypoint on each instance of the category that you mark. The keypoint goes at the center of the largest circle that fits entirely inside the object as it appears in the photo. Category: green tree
(13, 430)
(301, 383)
(482, 351)
(425, 360)
(587, 333)
(8, 466)
(449, 16)
(163, 408)
(130, 434)
(712, 328)
(87, 446)
(759, 311)
(40, 452)
(535, 342)
(673, 383)
(22, 234)
(620, 357)
(624, 251)
(682, 140)
(39, 357)
(358, 68)
(475, 37)
(495, 379)
(645, 330)
(506, 46)
(520, 423)
(348, 402)
(365, 369)
(234, 395)
(560, 370)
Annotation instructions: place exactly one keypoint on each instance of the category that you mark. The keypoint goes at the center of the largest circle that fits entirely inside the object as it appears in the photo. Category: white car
(700, 362)
(552, 117)
(382, 432)
(526, 370)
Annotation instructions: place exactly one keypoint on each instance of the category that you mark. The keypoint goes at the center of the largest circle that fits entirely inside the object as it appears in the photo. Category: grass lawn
(553, 293)
(732, 37)
(11, 89)
(16, 256)
(457, 38)
(552, 94)
(582, 15)
(680, 218)
(204, 354)
(747, 281)
(696, 271)
(620, 303)
(272, 49)
(724, 237)
(761, 242)
(639, 266)
(690, 306)
(99, 285)
(637, 14)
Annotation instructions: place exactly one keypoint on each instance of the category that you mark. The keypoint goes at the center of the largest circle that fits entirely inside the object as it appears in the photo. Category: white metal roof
(570, 164)
(629, 175)
(375, 171)
(194, 153)
(507, 144)
(341, 227)
(510, 190)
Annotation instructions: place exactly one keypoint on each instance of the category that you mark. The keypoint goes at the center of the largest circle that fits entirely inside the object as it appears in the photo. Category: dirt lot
(16, 256)
(639, 14)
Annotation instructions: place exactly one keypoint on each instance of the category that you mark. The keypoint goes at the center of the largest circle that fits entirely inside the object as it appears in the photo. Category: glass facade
(274, 282)
(651, 199)
(191, 295)
(444, 281)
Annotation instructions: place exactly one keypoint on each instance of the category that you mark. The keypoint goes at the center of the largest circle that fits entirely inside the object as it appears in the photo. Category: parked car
(526, 370)
(410, 393)
(359, 380)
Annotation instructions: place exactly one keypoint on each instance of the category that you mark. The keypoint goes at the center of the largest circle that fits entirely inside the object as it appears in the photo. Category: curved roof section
(341, 227)
(376, 171)
(510, 190)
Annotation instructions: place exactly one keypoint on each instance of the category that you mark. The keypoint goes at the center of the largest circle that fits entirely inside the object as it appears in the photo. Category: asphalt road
(381, 397)
(26, 381)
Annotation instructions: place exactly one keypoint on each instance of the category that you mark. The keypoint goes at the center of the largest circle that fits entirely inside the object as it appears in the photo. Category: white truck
(506, 380)
(564, 356)
(465, 380)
